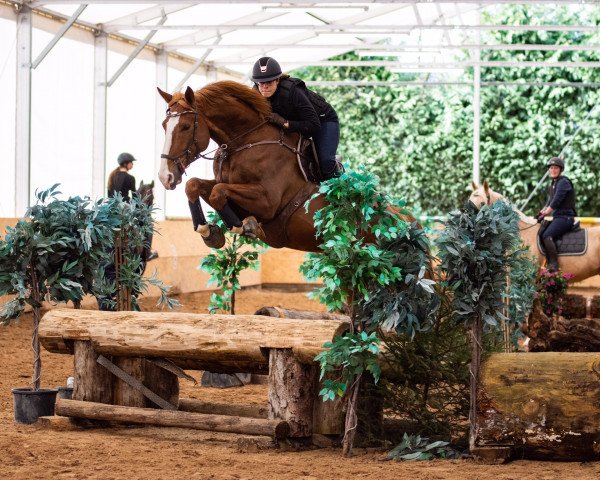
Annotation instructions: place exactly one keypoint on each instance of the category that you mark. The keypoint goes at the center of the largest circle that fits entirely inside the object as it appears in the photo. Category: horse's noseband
(187, 154)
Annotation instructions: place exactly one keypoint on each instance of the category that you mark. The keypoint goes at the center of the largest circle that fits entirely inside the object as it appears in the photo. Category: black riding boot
(551, 254)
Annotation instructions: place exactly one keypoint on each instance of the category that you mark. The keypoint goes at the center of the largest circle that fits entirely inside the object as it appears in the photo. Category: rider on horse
(298, 109)
(561, 204)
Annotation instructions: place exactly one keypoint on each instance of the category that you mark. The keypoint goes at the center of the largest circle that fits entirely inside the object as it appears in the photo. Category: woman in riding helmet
(561, 204)
(119, 180)
(298, 109)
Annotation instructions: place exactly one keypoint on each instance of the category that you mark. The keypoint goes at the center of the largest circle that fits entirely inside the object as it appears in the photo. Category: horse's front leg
(252, 197)
(194, 189)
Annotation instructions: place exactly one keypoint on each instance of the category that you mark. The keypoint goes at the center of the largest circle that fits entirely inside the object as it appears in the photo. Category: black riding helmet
(266, 69)
(124, 158)
(559, 162)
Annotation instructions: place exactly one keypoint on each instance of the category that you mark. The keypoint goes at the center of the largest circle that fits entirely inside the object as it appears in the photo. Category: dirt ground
(32, 452)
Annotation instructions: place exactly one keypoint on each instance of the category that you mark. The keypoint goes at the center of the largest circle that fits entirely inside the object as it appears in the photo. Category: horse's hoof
(253, 229)
(215, 238)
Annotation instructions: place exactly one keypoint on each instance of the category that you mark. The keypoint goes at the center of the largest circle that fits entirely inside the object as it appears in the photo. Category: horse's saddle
(306, 153)
(572, 243)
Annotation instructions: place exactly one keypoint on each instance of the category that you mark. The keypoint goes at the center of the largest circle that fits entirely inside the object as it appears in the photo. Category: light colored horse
(582, 266)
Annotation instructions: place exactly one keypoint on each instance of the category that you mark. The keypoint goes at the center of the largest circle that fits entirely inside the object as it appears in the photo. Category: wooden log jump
(542, 405)
(117, 378)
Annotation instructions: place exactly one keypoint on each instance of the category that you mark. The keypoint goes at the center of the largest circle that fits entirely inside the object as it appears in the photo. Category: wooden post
(292, 392)
(162, 382)
(93, 383)
(124, 394)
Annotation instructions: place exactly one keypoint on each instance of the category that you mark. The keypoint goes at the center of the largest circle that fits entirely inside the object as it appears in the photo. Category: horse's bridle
(187, 154)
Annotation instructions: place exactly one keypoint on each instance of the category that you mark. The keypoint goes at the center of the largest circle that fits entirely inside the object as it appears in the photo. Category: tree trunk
(218, 343)
(171, 418)
(543, 405)
(292, 391)
(474, 368)
(124, 394)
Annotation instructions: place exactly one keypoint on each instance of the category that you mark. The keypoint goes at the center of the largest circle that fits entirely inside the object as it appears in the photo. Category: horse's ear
(486, 187)
(141, 184)
(152, 184)
(189, 96)
(474, 185)
(166, 96)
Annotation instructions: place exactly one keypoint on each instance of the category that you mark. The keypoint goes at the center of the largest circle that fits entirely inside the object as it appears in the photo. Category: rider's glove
(277, 119)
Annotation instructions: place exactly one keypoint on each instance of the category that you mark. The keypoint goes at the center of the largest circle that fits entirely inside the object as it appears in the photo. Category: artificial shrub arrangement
(369, 256)
(226, 264)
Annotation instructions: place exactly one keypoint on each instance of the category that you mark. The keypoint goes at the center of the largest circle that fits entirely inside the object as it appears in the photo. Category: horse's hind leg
(211, 234)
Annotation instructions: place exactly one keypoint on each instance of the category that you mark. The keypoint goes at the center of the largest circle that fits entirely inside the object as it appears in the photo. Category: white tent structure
(79, 79)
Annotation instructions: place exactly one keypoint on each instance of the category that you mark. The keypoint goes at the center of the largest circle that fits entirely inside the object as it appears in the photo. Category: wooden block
(57, 423)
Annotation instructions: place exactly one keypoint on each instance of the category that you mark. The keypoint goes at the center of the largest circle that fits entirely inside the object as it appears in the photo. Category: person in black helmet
(298, 109)
(119, 179)
(561, 205)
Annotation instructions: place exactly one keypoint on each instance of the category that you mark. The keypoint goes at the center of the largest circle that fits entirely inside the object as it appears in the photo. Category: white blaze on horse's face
(165, 176)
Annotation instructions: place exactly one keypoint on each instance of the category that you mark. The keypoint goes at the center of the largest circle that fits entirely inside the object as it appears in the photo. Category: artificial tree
(369, 256)
(51, 254)
(226, 264)
(475, 250)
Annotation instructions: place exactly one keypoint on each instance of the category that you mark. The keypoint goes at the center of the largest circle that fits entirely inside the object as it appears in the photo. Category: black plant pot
(30, 404)
(65, 392)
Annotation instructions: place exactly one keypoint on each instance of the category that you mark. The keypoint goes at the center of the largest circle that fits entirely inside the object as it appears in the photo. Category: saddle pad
(571, 243)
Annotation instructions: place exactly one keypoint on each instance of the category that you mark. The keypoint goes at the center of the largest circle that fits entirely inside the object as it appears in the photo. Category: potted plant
(51, 254)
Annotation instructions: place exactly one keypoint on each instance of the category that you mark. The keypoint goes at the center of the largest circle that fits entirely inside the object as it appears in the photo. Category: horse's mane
(213, 94)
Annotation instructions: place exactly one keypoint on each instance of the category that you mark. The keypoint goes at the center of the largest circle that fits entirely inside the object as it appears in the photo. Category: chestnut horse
(256, 170)
(257, 177)
(582, 266)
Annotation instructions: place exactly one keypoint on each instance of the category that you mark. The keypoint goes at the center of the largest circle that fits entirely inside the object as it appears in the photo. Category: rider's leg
(554, 231)
(326, 143)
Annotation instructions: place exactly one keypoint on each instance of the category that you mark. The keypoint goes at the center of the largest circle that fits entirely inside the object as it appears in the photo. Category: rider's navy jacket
(561, 197)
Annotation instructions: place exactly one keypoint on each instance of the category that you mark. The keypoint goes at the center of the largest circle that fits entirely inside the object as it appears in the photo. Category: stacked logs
(571, 332)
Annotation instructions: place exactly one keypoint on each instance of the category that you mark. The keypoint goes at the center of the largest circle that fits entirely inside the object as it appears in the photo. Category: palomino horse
(256, 168)
(582, 266)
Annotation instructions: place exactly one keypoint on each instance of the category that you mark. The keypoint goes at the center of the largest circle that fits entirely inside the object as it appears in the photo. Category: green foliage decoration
(55, 248)
(226, 264)
(369, 255)
(420, 448)
(473, 251)
(133, 226)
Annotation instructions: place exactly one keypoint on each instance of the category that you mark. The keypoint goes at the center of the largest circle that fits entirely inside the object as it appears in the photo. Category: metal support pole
(58, 35)
(136, 52)
(476, 54)
(99, 127)
(23, 112)
(160, 194)
(196, 65)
